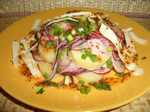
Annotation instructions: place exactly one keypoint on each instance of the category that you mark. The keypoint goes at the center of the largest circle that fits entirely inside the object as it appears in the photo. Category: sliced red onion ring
(102, 70)
(77, 42)
(72, 69)
(117, 63)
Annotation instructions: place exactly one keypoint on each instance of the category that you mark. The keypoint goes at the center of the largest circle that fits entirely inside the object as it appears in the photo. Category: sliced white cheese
(89, 77)
(31, 64)
(108, 33)
(15, 52)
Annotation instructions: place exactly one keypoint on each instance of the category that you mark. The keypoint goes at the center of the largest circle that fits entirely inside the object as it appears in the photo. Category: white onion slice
(134, 37)
(31, 64)
(108, 33)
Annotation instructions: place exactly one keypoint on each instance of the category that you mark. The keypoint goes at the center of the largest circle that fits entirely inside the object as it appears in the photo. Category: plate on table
(65, 100)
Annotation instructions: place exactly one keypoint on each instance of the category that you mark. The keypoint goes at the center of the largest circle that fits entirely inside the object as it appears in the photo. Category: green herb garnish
(83, 56)
(93, 57)
(109, 63)
(50, 44)
(84, 89)
(102, 86)
(69, 37)
(81, 82)
(87, 53)
(45, 75)
(56, 30)
(85, 27)
(39, 89)
(109, 49)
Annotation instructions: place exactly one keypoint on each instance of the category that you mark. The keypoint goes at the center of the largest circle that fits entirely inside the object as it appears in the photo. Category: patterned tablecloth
(13, 10)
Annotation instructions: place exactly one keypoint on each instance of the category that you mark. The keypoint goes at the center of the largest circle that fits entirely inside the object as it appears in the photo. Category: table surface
(8, 104)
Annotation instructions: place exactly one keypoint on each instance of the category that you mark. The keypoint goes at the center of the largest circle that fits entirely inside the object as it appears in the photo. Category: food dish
(78, 50)
(63, 100)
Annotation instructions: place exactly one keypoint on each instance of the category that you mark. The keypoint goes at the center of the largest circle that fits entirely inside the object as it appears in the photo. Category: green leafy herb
(109, 63)
(83, 56)
(56, 30)
(93, 57)
(50, 44)
(102, 86)
(86, 26)
(81, 82)
(109, 49)
(87, 53)
(45, 75)
(84, 89)
(69, 37)
(81, 31)
(62, 53)
(39, 89)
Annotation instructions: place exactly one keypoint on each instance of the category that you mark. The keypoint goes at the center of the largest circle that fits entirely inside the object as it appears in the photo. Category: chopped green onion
(85, 26)
(45, 75)
(80, 31)
(83, 56)
(81, 82)
(50, 44)
(109, 49)
(84, 89)
(109, 63)
(56, 30)
(102, 86)
(87, 53)
(69, 37)
(93, 57)
(39, 89)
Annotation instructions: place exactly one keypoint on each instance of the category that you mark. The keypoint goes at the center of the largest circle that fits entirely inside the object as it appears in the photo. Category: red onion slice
(102, 70)
(72, 69)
